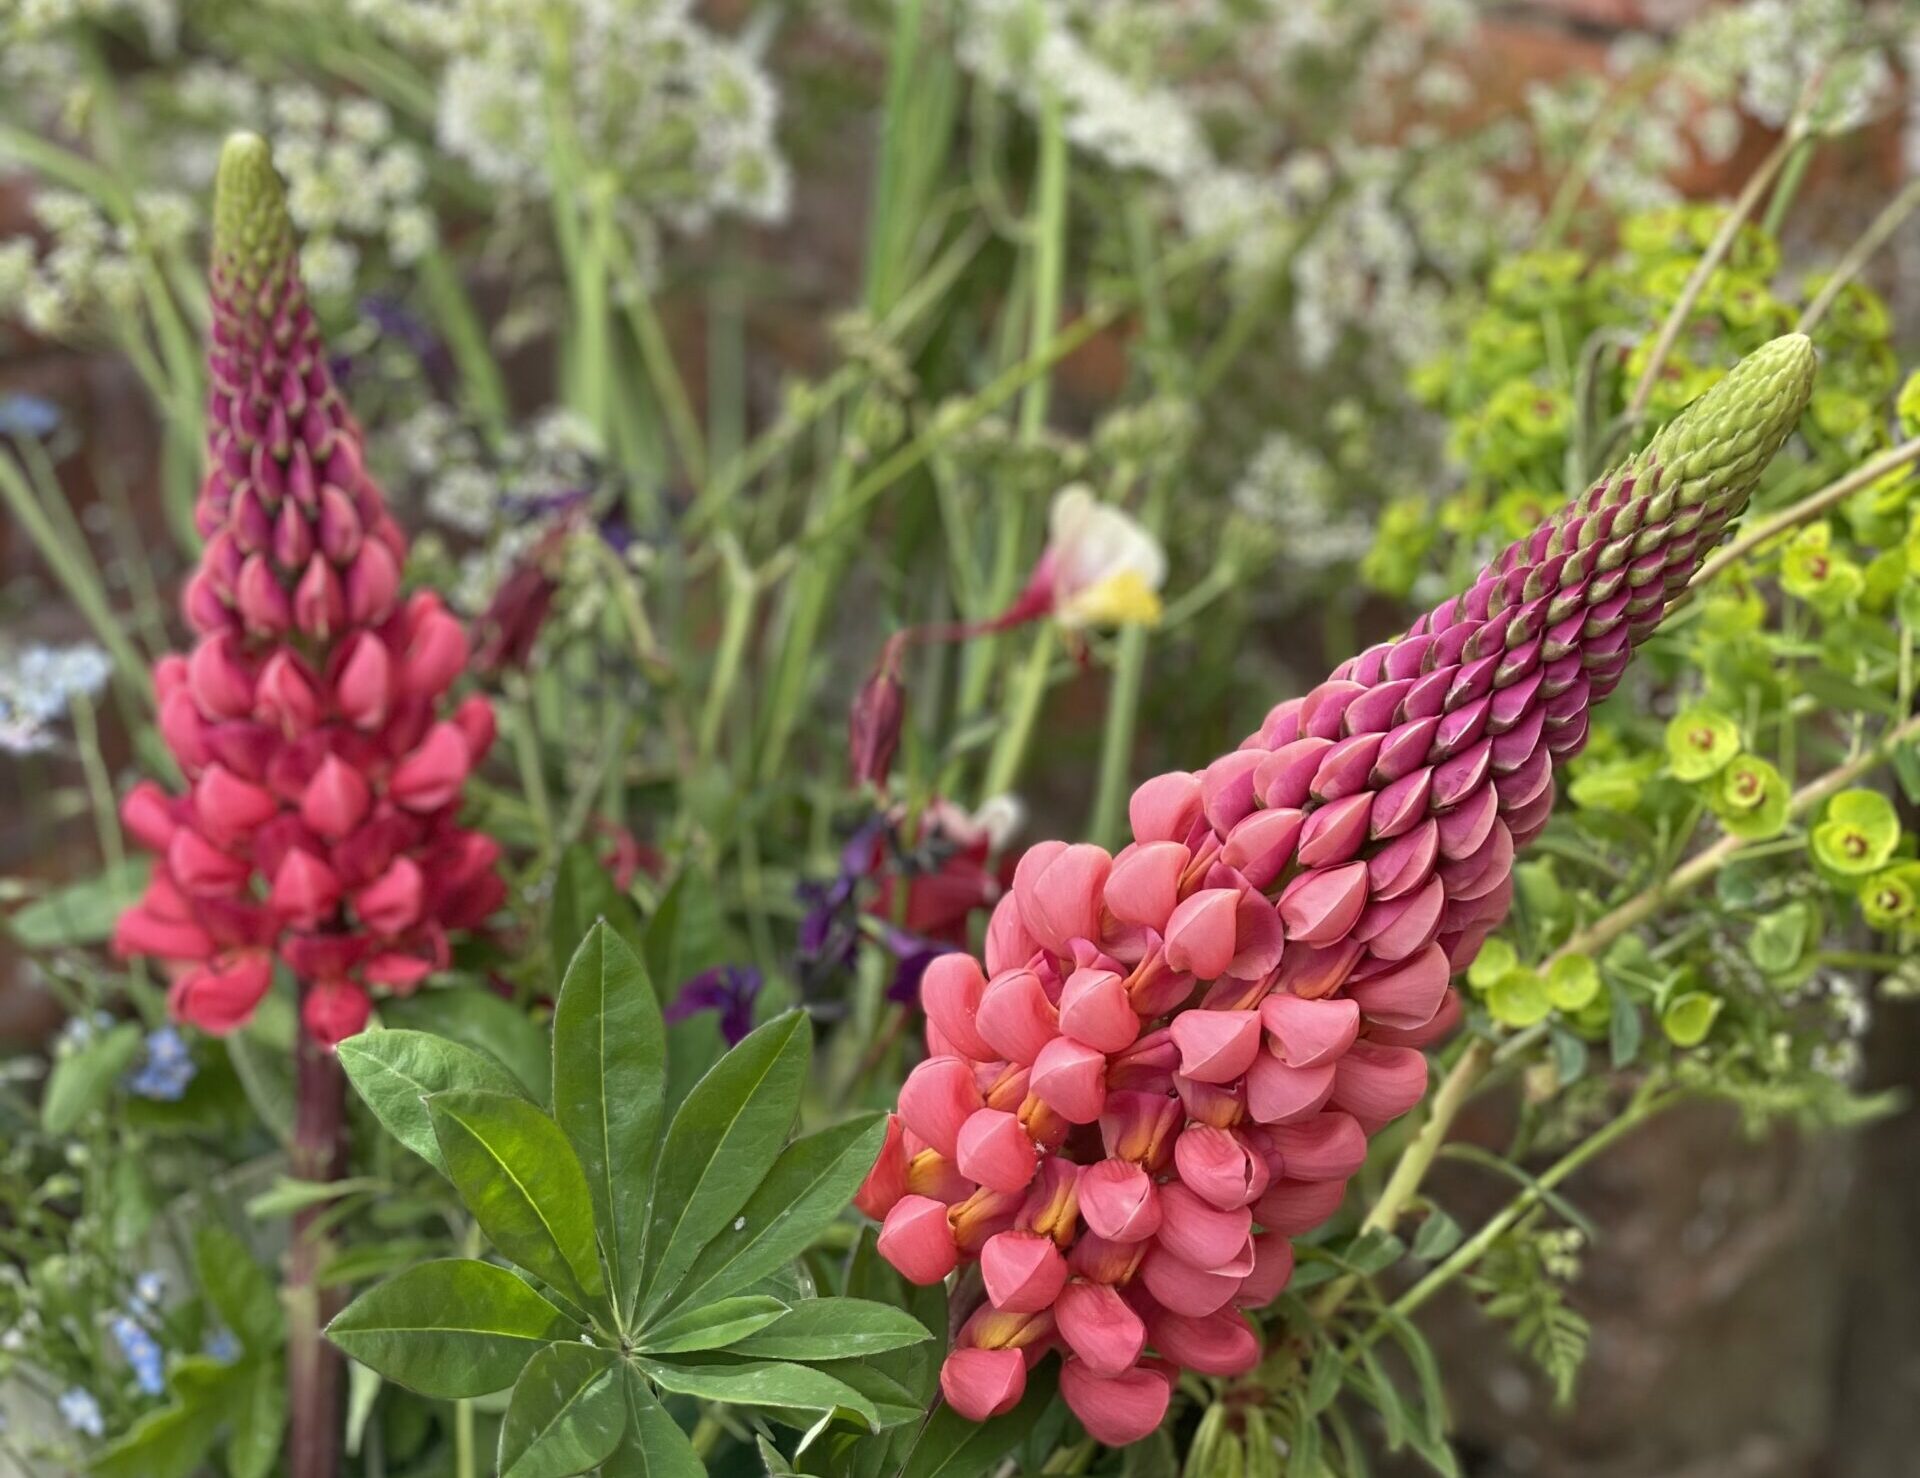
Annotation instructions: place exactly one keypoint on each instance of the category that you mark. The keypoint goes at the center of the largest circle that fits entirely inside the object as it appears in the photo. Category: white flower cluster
(352, 180)
(1764, 53)
(1292, 488)
(88, 275)
(37, 685)
(682, 117)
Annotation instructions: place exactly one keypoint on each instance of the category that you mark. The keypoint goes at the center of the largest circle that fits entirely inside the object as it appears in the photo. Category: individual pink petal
(228, 808)
(1404, 863)
(1095, 1010)
(1335, 832)
(981, 1215)
(1217, 1166)
(1165, 808)
(1226, 788)
(392, 902)
(886, 1182)
(1329, 1146)
(1071, 1079)
(1009, 945)
(1440, 1026)
(1272, 1269)
(950, 993)
(1201, 934)
(918, 1241)
(1184, 1288)
(305, 890)
(1400, 927)
(1120, 1202)
(336, 799)
(1061, 896)
(1321, 907)
(1407, 995)
(1378, 1084)
(1220, 1104)
(1258, 938)
(1216, 1046)
(981, 1384)
(994, 1150)
(1311, 972)
(1023, 1271)
(431, 776)
(1261, 846)
(1293, 1208)
(1219, 1344)
(1099, 1259)
(1016, 1017)
(1203, 1235)
(149, 816)
(221, 997)
(287, 697)
(1100, 1327)
(1116, 1410)
(1144, 886)
(1147, 1066)
(1285, 775)
(937, 1098)
(218, 678)
(334, 1010)
(930, 1173)
(363, 685)
(1279, 1094)
(1304, 1033)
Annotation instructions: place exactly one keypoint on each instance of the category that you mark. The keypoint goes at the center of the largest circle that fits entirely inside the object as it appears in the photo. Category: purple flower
(830, 928)
(28, 417)
(728, 989)
(912, 954)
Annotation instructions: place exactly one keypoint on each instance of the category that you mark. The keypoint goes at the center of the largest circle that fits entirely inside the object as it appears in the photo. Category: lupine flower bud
(1240, 995)
(318, 778)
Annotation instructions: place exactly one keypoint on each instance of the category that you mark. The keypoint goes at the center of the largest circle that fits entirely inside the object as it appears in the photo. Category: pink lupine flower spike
(1170, 1060)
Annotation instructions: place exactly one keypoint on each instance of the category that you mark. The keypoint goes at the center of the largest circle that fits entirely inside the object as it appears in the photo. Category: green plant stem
(1472, 1065)
(1029, 692)
(707, 1433)
(1806, 510)
(481, 384)
(736, 627)
(1791, 176)
(656, 354)
(1716, 253)
(1871, 240)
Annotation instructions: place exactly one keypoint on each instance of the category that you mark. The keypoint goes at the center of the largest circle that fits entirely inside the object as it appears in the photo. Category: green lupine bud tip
(252, 232)
(1718, 445)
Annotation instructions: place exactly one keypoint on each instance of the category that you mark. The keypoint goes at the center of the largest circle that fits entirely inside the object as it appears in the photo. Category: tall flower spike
(319, 824)
(1284, 927)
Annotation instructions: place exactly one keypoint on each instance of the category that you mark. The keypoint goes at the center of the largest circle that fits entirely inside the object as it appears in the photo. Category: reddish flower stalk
(324, 760)
(1172, 1058)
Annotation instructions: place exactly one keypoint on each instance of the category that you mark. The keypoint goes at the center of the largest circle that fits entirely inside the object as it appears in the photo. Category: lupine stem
(314, 1367)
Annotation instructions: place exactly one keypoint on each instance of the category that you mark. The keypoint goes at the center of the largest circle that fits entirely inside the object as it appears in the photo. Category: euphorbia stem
(314, 1367)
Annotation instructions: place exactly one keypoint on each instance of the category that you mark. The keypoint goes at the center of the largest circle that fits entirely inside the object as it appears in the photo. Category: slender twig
(1857, 256)
(1808, 508)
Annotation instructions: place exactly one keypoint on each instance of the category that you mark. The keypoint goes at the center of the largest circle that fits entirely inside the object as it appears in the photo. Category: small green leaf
(609, 1085)
(567, 1413)
(259, 1420)
(583, 895)
(395, 1072)
(950, 1446)
(174, 1441)
(485, 1022)
(1689, 1017)
(712, 1326)
(80, 913)
(524, 1185)
(1495, 959)
(834, 1328)
(1858, 833)
(238, 1288)
(772, 1384)
(1439, 1234)
(1519, 998)
(722, 1142)
(1572, 981)
(809, 1185)
(451, 1328)
(83, 1079)
(1780, 939)
(1624, 1029)
(654, 1446)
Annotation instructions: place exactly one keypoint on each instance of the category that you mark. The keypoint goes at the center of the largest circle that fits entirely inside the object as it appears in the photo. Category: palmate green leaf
(712, 1326)
(82, 1080)
(654, 1446)
(950, 1446)
(771, 1384)
(451, 1328)
(722, 1142)
(877, 1380)
(524, 1185)
(567, 1413)
(485, 1022)
(609, 1087)
(809, 1185)
(831, 1329)
(395, 1071)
